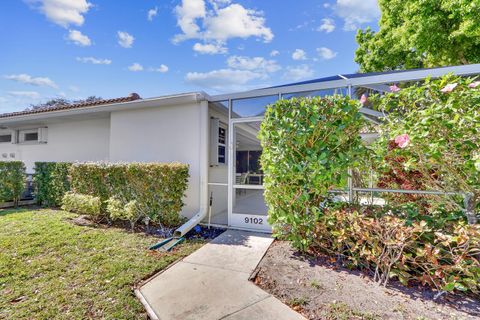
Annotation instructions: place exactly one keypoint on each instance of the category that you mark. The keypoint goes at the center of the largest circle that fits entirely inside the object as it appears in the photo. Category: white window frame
(42, 135)
(23, 133)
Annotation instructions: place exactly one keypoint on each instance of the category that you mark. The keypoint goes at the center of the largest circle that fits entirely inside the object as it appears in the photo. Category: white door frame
(237, 220)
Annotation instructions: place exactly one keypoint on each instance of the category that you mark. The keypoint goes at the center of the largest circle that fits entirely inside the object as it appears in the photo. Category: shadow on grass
(5, 212)
(469, 304)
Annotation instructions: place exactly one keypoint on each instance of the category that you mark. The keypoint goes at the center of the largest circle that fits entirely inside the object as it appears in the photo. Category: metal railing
(351, 190)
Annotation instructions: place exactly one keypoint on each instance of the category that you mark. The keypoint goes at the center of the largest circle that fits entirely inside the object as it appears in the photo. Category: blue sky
(79, 48)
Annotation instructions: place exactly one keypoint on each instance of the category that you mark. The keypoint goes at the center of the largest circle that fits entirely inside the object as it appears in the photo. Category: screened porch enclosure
(237, 184)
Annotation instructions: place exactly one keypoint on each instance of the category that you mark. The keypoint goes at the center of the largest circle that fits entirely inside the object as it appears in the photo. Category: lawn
(53, 269)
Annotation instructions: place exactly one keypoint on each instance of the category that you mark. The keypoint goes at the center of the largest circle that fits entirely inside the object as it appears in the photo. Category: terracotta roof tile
(131, 97)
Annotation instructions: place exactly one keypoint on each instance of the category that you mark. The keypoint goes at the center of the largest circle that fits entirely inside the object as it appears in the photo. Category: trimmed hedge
(157, 188)
(51, 182)
(12, 181)
(308, 146)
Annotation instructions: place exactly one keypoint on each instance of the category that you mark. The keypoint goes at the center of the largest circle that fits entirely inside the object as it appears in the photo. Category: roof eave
(106, 108)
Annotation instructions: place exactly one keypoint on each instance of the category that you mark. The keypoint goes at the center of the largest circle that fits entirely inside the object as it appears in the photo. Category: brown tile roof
(131, 97)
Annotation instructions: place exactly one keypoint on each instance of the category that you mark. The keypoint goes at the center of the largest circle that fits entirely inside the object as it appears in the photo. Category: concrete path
(212, 283)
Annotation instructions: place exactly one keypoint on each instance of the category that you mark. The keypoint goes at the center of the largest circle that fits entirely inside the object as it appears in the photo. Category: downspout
(203, 161)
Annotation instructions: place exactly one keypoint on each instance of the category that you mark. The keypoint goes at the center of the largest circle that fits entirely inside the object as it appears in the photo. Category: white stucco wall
(163, 134)
(72, 140)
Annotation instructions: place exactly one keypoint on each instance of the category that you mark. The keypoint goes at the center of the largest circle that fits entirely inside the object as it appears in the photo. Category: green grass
(53, 269)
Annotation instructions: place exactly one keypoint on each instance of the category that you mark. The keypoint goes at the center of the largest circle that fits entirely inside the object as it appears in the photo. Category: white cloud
(125, 39)
(162, 69)
(135, 67)
(274, 53)
(298, 73)
(328, 25)
(93, 60)
(225, 20)
(258, 64)
(326, 53)
(219, 3)
(356, 12)
(209, 48)
(187, 15)
(28, 79)
(152, 13)
(63, 12)
(222, 79)
(236, 21)
(299, 54)
(25, 94)
(79, 38)
(241, 70)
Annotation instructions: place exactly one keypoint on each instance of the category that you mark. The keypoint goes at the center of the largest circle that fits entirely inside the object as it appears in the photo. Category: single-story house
(215, 135)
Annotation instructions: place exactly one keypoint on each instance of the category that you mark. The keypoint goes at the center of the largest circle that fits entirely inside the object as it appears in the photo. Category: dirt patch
(83, 221)
(319, 289)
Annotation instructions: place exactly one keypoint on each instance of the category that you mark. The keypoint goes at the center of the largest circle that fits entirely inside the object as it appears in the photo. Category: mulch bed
(199, 232)
(319, 288)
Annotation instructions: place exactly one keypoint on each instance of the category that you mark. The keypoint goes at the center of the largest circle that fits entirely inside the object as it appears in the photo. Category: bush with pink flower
(436, 126)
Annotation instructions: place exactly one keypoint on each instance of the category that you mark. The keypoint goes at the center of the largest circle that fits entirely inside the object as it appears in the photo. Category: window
(6, 137)
(30, 136)
(251, 107)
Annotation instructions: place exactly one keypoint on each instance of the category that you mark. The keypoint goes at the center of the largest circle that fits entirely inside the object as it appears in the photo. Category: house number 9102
(254, 220)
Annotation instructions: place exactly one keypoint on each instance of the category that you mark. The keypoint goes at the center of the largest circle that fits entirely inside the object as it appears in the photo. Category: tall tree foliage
(421, 33)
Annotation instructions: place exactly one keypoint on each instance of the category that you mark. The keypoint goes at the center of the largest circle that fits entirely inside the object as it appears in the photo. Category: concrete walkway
(212, 283)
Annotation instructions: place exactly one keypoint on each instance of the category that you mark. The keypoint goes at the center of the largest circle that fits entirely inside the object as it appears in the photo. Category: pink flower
(394, 88)
(363, 99)
(474, 84)
(402, 140)
(449, 87)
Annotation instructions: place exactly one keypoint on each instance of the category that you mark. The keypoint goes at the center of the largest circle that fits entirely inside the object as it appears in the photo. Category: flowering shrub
(441, 118)
(51, 182)
(12, 180)
(82, 204)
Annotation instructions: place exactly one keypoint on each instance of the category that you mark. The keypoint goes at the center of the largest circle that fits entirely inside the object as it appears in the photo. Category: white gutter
(203, 161)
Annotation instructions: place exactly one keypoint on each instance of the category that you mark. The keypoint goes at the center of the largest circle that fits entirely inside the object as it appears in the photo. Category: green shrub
(308, 146)
(82, 204)
(310, 143)
(444, 259)
(441, 119)
(117, 210)
(12, 181)
(157, 188)
(51, 182)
